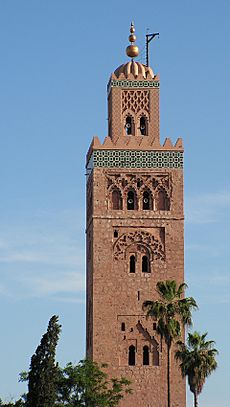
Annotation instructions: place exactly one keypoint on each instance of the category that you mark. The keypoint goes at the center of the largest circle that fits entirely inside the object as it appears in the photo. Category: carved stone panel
(141, 237)
(135, 100)
(139, 182)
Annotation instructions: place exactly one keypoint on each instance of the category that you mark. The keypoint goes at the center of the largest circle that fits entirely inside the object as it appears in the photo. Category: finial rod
(149, 38)
(132, 50)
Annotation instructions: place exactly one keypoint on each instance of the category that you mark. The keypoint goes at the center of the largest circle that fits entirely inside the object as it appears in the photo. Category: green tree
(172, 312)
(198, 361)
(86, 384)
(42, 377)
(18, 403)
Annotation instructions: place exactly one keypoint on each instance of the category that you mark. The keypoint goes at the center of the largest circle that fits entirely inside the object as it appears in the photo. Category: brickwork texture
(135, 238)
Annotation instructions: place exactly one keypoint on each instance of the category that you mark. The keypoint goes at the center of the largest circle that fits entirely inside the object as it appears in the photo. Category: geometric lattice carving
(135, 100)
(139, 237)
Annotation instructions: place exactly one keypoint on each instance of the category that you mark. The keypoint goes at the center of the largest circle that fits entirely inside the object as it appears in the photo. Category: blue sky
(56, 59)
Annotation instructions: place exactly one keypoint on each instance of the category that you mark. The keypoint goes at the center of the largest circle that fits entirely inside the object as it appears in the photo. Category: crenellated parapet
(134, 152)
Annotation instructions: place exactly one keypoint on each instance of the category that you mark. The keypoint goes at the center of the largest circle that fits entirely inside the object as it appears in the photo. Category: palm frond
(197, 359)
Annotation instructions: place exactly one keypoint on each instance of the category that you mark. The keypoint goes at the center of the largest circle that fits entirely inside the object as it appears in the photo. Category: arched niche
(147, 200)
(143, 125)
(132, 355)
(155, 353)
(132, 263)
(131, 200)
(138, 258)
(162, 202)
(129, 128)
(145, 355)
(145, 264)
(116, 199)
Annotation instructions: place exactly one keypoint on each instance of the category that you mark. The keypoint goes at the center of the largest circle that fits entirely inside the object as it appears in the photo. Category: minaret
(134, 232)
(133, 98)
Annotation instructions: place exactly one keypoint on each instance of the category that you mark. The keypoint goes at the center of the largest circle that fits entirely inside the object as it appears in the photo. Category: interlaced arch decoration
(140, 181)
(144, 238)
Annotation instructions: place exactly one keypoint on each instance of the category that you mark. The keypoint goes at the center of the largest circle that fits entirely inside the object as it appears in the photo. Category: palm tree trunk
(168, 373)
(195, 399)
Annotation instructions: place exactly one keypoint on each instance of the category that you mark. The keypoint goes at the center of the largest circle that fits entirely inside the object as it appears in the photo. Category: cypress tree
(42, 378)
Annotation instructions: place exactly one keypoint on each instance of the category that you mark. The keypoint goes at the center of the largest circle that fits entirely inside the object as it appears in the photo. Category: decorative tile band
(132, 84)
(135, 159)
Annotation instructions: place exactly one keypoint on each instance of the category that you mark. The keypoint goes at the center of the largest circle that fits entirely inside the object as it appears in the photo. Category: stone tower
(134, 235)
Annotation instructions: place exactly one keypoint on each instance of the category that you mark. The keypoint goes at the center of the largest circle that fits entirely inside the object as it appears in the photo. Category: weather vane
(149, 38)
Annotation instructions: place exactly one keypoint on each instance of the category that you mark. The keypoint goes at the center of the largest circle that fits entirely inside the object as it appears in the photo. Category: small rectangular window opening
(138, 295)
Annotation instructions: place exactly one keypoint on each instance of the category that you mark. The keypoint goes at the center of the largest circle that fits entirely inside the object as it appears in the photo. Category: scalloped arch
(143, 237)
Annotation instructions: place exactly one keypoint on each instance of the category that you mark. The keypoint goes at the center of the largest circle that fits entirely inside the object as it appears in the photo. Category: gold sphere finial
(132, 28)
(132, 50)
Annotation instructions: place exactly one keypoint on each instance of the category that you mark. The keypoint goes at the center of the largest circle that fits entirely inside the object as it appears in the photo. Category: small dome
(134, 68)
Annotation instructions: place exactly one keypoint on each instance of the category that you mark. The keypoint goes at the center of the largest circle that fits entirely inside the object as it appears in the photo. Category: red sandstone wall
(113, 292)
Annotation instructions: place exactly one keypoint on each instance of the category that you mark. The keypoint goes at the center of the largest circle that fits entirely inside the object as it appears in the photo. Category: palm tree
(197, 361)
(172, 312)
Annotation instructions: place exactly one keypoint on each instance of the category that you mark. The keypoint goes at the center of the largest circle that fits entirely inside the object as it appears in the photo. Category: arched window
(132, 355)
(155, 357)
(147, 201)
(116, 199)
(132, 264)
(129, 125)
(155, 353)
(123, 326)
(143, 126)
(162, 203)
(145, 264)
(145, 355)
(131, 200)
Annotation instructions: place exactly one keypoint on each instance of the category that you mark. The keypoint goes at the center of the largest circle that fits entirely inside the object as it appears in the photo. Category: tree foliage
(86, 384)
(42, 377)
(172, 312)
(197, 361)
(18, 403)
